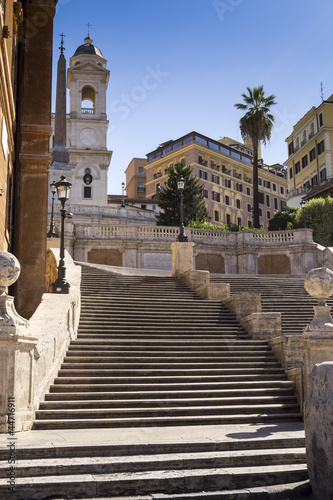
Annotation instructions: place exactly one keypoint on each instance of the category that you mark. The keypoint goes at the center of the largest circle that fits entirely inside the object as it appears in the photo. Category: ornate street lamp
(123, 191)
(52, 233)
(63, 188)
(181, 184)
(303, 203)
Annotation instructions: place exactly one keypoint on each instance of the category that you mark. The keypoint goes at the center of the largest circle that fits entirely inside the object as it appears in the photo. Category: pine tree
(168, 198)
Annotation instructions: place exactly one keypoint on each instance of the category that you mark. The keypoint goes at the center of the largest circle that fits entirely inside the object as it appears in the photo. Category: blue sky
(180, 65)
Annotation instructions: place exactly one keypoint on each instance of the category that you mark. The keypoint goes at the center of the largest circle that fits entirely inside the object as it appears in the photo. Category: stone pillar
(34, 157)
(318, 422)
(318, 335)
(16, 350)
(182, 258)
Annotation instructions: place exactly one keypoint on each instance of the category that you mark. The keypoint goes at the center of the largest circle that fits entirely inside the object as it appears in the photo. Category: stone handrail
(32, 353)
(207, 237)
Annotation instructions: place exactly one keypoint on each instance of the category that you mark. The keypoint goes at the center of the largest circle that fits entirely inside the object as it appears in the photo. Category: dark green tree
(284, 219)
(256, 124)
(168, 199)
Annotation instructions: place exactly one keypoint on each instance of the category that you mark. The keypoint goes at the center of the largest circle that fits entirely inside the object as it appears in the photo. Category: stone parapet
(31, 356)
(318, 422)
(196, 279)
(263, 326)
(214, 291)
(182, 258)
(244, 304)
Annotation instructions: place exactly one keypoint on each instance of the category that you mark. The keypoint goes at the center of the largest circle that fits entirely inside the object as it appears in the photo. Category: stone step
(62, 386)
(82, 365)
(155, 353)
(156, 421)
(148, 482)
(167, 373)
(85, 356)
(169, 403)
(171, 461)
(133, 396)
(161, 412)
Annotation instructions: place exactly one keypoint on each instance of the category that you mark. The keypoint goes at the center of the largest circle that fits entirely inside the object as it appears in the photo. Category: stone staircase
(149, 352)
(192, 406)
(279, 293)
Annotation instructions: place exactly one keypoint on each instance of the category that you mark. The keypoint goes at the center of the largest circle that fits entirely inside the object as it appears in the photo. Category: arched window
(88, 100)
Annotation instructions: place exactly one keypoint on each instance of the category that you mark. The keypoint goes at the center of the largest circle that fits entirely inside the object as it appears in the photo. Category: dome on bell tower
(88, 48)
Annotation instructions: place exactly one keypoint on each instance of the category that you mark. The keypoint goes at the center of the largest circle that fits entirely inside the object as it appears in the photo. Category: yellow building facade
(310, 148)
(224, 168)
(136, 178)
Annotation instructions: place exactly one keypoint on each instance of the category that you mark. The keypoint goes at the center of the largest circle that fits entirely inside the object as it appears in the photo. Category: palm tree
(257, 125)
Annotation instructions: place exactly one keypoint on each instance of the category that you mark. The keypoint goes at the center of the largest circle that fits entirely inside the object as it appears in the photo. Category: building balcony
(303, 142)
(237, 175)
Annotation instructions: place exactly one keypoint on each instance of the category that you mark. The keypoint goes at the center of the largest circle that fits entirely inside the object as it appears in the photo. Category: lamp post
(181, 184)
(63, 188)
(122, 198)
(52, 233)
(303, 203)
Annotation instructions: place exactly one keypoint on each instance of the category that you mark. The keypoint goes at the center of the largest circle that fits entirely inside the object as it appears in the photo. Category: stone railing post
(318, 422)
(318, 335)
(182, 258)
(16, 348)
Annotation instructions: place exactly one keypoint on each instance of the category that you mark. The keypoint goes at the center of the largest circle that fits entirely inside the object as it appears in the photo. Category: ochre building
(225, 169)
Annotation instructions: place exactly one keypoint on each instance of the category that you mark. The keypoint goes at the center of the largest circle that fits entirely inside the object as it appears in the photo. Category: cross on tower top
(89, 25)
(62, 48)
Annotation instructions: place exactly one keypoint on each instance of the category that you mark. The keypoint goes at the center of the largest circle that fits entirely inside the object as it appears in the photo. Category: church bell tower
(87, 125)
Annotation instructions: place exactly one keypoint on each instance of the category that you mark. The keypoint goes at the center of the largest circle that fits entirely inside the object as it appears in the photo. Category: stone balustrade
(206, 237)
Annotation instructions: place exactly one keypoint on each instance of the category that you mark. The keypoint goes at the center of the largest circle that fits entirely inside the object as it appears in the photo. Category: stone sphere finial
(9, 270)
(319, 284)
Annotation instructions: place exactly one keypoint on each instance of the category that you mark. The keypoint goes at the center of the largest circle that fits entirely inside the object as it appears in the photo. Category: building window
(321, 147)
(249, 223)
(297, 167)
(304, 161)
(216, 216)
(260, 212)
(314, 180)
(268, 215)
(307, 184)
(141, 170)
(281, 189)
(312, 154)
(238, 203)
(259, 181)
(249, 209)
(282, 204)
(239, 221)
(228, 219)
(239, 187)
(261, 198)
(205, 193)
(227, 183)
(321, 121)
(274, 187)
(87, 192)
(323, 175)
(227, 200)
(215, 179)
(248, 191)
(203, 175)
(291, 148)
(267, 184)
(141, 187)
(275, 203)
(216, 196)
(268, 203)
